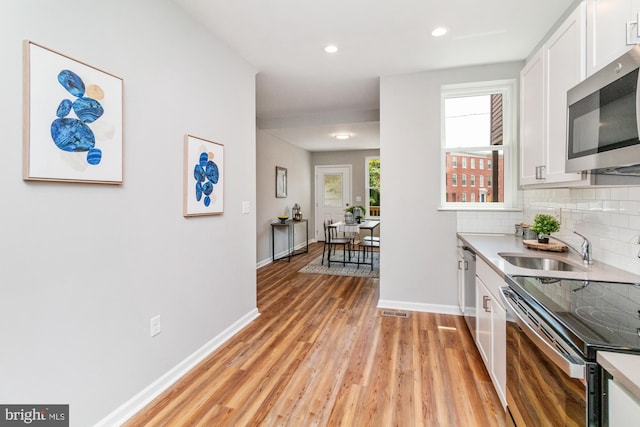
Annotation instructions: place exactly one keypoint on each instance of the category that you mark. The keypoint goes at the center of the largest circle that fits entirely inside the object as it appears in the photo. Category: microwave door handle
(573, 370)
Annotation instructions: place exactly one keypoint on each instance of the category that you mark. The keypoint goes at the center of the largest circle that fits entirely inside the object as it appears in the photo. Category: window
(373, 186)
(454, 162)
(479, 124)
(454, 180)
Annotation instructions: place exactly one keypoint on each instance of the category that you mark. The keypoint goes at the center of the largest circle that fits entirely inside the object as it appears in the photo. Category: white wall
(416, 237)
(84, 267)
(272, 152)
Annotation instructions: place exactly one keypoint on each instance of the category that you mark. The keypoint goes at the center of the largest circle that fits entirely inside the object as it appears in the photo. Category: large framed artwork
(203, 177)
(73, 116)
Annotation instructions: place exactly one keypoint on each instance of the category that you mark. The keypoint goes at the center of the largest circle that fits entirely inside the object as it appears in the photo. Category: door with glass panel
(333, 195)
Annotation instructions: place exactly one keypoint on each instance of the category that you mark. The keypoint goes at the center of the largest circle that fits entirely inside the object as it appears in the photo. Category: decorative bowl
(282, 218)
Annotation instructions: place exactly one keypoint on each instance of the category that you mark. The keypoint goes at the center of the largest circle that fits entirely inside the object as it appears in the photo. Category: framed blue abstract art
(73, 114)
(203, 177)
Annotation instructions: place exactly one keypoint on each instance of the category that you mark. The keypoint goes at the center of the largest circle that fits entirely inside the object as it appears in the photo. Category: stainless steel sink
(535, 262)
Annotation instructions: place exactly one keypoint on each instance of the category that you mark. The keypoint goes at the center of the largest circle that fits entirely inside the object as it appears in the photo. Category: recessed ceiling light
(342, 135)
(439, 32)
(331, 48)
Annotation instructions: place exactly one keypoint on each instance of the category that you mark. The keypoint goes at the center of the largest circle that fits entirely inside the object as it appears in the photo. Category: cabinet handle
(539, 174)
(466, 265)
(459, 265)
(485, 302)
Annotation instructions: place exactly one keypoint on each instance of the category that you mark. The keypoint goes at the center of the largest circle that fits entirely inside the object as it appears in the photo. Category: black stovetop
(593, 315)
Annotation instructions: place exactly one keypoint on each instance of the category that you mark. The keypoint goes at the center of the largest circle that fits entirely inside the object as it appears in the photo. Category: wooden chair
(331, 241)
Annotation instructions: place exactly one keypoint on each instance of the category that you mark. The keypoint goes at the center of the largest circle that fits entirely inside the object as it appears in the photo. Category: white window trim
(508, 89)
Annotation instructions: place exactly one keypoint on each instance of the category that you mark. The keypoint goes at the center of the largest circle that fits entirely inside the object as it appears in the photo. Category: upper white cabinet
(544, 81)
(612, 28)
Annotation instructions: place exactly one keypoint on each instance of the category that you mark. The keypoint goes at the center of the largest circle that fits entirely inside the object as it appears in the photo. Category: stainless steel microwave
(603, 118)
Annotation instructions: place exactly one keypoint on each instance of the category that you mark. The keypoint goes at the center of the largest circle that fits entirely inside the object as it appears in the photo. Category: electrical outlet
(246, 207)
(155, 326)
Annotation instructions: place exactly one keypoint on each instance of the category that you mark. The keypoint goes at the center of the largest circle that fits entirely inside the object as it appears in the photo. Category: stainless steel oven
(548, 382)
(555, 327)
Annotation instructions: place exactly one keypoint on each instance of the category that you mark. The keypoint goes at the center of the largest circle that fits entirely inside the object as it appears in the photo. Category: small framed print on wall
(72, 119)
(203, 177)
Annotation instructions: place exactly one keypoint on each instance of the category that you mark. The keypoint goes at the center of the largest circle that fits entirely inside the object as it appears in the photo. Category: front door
(333, 195)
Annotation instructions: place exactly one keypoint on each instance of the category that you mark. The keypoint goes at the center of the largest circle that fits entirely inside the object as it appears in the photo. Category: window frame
(367, 206)
(508, 90)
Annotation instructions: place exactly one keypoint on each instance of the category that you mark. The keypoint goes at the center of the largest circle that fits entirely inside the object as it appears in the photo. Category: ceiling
(304, 95)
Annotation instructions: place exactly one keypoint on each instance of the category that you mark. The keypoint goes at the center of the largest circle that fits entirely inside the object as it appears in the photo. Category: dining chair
(367, 245)
(331, 241)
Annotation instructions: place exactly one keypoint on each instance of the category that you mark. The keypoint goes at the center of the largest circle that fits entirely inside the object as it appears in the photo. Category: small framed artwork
(73, 116)
(281, 182)
(203, 177)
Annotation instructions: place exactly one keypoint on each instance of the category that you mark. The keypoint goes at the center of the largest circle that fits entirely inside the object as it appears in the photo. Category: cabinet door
(483, 322)
(499, 350)
(565, 67)
(623, 406)
(531, 120)
(607, 30)
(461, 270)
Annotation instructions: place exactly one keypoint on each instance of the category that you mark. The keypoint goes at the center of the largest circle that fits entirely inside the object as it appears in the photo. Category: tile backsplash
(608, 216)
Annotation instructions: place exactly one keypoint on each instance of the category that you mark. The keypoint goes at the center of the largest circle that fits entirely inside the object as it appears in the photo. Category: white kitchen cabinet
(461, 270)
(491, 337)
(624, 408)
(558, 66)
(611, 30)
(531, 120)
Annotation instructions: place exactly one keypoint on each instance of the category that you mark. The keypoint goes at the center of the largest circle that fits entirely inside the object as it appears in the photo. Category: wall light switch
(246, 207)
(155, 326)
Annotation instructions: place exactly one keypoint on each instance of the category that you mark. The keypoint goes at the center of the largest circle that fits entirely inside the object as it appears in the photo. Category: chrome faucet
(585, 248)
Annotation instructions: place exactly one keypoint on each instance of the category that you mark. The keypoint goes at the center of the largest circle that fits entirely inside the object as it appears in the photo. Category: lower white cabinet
(624, 408)
(491, 336)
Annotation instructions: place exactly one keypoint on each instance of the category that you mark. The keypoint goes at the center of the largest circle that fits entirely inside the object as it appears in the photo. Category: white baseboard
(282, 254)
(426, 308)
(140, 400)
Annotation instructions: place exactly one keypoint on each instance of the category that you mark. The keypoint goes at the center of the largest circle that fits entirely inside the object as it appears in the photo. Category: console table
(290, 225)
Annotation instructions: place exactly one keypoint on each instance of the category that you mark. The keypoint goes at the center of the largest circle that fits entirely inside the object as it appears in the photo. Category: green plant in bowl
(543, 225)
(355, 209)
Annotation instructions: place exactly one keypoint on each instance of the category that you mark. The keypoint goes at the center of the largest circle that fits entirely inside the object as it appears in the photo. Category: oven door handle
(569, 367)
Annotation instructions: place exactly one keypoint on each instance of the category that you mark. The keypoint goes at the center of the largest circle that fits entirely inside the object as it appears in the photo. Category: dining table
(369, 242)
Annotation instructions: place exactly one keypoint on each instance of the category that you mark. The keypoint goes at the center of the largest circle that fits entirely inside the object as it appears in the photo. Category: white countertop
(625, 368)
(489, 246)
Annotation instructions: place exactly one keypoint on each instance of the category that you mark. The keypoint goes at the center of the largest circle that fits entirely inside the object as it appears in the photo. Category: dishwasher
(469, 288)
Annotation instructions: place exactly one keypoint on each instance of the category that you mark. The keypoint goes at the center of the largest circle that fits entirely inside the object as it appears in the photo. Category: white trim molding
(153, 390)
(425, 308)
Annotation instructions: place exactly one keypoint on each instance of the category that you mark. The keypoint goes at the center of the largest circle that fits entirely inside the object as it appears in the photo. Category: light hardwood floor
(321, 354)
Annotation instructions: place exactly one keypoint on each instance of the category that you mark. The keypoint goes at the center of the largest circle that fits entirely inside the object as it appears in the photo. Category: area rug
(337, 269)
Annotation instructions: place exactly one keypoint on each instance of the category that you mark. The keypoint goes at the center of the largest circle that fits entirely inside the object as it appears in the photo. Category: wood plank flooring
(321, 354)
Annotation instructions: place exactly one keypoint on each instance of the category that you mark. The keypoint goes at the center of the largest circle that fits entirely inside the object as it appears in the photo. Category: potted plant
(543, 225)
(357, 211)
